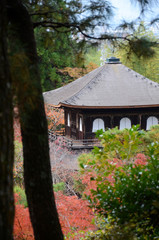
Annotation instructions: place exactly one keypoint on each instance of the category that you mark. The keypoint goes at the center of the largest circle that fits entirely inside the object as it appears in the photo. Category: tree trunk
(6, 135)
(37, 169)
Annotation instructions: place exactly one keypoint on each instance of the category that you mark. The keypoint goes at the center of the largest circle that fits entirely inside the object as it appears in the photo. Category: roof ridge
(76, 94)
(143, 78)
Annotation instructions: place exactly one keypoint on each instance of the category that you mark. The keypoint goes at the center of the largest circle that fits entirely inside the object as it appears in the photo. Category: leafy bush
(59, 187)
(127, 184)
(152, 135)
(108, 229)
(83, 160)
(121, 144)
(78, 186)
(22, 196)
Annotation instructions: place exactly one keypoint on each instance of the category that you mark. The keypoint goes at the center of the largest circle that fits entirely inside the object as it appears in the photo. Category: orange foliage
(76, 73)
(74, 214)
(55, 116)
(22, 225)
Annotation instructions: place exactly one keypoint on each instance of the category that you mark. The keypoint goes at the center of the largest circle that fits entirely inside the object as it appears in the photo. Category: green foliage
(18, 164)
(78, 186)
(122, 144)
(142, 60)
(140, 53)
(152, 135)
(59, 187)
(83, 160)
(127, 185)
(93, 54)
(56, 51)
(108, 229)
(22, 196)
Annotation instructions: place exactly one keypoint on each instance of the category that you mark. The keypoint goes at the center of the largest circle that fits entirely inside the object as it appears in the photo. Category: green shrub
(83, 160)
(108, 229)
(78, 186)
(134, 194)
(121, 144)
(18, 164)
(127, 188)
(22, 196)
(152, 135)
(59, 187)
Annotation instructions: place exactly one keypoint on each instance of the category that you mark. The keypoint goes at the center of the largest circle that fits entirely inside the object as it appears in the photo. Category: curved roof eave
(106, 107)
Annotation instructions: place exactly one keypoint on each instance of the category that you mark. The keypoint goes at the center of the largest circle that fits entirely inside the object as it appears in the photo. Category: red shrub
(22, 225)
(74, 214)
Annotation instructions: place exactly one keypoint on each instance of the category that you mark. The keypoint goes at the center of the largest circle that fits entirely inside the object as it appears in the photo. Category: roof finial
(113, 60)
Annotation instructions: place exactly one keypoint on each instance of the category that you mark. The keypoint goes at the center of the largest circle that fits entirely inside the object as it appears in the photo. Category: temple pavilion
(109, 96)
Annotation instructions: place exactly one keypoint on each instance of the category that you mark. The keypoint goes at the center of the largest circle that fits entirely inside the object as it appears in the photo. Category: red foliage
(17, 131)
(116, 162)
(140, 159)
(74, 214)
(87, 177)
(55, 116)
(22, 225)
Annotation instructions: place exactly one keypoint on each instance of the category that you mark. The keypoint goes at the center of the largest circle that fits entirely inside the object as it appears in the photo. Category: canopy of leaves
(84, 19)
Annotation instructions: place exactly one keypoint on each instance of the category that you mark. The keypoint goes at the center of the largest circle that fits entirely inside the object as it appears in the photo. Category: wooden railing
(72, 143)
(58, 132)
(86, 142)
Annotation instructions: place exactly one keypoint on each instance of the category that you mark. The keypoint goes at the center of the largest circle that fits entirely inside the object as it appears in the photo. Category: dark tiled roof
(112, 85)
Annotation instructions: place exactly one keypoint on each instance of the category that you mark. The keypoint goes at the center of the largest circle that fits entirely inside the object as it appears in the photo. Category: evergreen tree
(56, 51)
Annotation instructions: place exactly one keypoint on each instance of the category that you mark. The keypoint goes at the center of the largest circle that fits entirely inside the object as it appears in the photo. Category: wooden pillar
(140, 118)
(112, 121)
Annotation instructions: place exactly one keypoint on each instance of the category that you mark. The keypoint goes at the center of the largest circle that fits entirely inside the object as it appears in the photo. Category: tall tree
(6, 134)
(37, 170)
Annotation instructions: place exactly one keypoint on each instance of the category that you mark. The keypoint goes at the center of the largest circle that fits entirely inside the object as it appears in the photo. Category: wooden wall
(111, 118)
